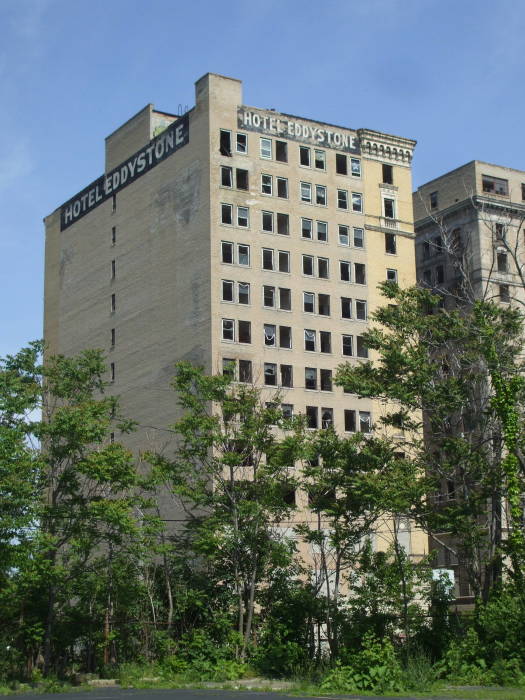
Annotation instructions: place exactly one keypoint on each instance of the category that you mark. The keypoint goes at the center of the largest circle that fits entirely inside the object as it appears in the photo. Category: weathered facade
(237, 238)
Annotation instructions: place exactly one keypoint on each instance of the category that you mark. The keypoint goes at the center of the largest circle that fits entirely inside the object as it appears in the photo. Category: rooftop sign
(306, 132)
(141, 162)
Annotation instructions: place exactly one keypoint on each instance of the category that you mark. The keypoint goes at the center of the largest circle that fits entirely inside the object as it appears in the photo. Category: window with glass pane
(306, 228)
(312, 417)
(349, 420)
(342, 199)
(388, 205)
(284, 261)
(244, 293)
(286, 376)
(268, 296)
(270, 374)
(243, 217)
(365, 424)
(245, 370)
(327, 418)
(243, 252)
(228, 329)
(309, 302)
(346, 307)
(306, 192)
(282, 187)
(269, 335)
(360, 309)
(325, 341)
(227, 252)
(226, 213)
(322, 268)
(361, 349)
(242, 143)
(320, 159)
(227, 290)
(283, 225)
(357, 201)
(309, 340)
(226, 176)
(287, 410)
(267, 221)
(359, 238)
(345, 269)
(228, 367)
(267, 258)
(310, 378)
(320, 195)
(266, 148)
(356, 167)
(344, 238)
(266, 184)
(308, 265)
(285, 299)
(322, 231)
(326, 379)
(347, 345)
(360, 273)
(323, 305)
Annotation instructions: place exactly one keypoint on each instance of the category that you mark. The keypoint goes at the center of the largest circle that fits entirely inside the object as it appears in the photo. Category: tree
(232, 477)
(461, 369)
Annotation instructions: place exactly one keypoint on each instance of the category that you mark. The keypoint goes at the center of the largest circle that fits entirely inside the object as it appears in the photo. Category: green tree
(460, 369)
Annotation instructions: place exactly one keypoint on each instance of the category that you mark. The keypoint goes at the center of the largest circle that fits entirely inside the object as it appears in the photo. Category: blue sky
(447, 73)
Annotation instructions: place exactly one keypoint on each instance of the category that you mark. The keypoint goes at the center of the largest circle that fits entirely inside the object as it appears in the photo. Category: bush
(375, 668)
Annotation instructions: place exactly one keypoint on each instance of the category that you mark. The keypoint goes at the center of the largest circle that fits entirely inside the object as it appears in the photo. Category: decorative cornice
(378, 146)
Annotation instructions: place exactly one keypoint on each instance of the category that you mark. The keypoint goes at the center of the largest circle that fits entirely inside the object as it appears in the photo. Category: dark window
(391, 275)
(523, 191)
(281, 151)
(267, 259)
(304, 155)
(113, 269)
(349, 420)
(348, 346)
(440, 274)
(113, 337)
(270, 374)
(326, 380)
(287, 410)
(113, 235)
(390, 243)
(284, 261)
(341, 164)
(504, 293)
(360, 310)
(241, 179)
(306, 228)
(360, 273)
(243, 292)
(225, 143)
(243, 252)
(500, 231)
(389, 208)
(285, 337)
(113, 302)
(433, 200)
(495, 185)
(323, 305)
(242, 143)
(388, 174)
(283, 224)
(245, 371)
(268, 296)
(312, 420)
(285, 299)
(361, 349)
(226, 213)
(502, 262)
(309, 340)
(114, 203)
(309, 302)
(346, 307)
(227, 252)
(426, 250)
(310, 378)
(227, 290)
(245, 332)
(282, 187)
(308, 265)
(359, 237)
(325, 338)
(322, 268)
(112, 371)
(226, 176)
(327, 418)
(342, 199)
(286, 376)
(267, 221)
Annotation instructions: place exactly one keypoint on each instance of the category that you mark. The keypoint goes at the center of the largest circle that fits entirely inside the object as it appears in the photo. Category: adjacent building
(242, 239)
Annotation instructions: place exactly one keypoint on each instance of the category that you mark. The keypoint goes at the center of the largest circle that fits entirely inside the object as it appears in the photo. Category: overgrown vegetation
(94, 579)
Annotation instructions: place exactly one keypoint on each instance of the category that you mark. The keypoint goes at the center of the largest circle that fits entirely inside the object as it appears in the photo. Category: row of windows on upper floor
(489, 185)
(281, 298)
(308, 157)
(279, 261)
(240, 331)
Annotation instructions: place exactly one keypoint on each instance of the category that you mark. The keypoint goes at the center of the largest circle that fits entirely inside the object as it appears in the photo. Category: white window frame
(246, 284)
(285, 180)
(229, 170)
(312, 295)
(311, 331)
(269, 215)
(324, 195)
(343, 226)
(357, 202)
(308, 189)
(263, 148)
(265, 305)
(345, 198)
(358, 228)
(311, 223)
(263, 175)
(230, 207)
(268, 269)
(312, 258)
(247, 209)
(364, 306)
(355, 164)
(231, 283)
(348, 265)
(325, 223)
(268, 335)
(237, 150)
(239, 245)
(323, 159)
(223, 322)
(305, 149)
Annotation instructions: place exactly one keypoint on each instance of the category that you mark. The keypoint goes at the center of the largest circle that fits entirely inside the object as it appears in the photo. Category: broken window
(357, 201)
(309, 340)
(345, 270)
(228, 329)
(361, 348)
(227, 290)
(243, 292)
(242, 143)
(500, 231)
(389, 208)
(269, 335)
(282, 187)
(285, 299)
(325, 341)
(281, 151)
(304, 156)
(226, 214)
(241, 177)
(267, 259)
(504, 293)
(285, 337)
(267, 221)
(322, 268)
(360, 310)
(326, 379)
(495, 185)
(312, 417)
(226, 176)
(306, 228)
(320, 159)
(243, 254)
(341, 164)
(356, 167)
(360, 273)
(284, 261)
(348, 345)
(268, 296)
(245, 331)
(502, 261)
(320, 195)
(308, 302)
(390, 243)
(323, 305)
(349, 420)
(245, 371)
(286, 376)
(225, 147)
(308, 265)
(227, 252)
(365, 424)
(283, 225)
(388, 174)
(270, 374)
(346, 307)
(310, 378)
(327, 418)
